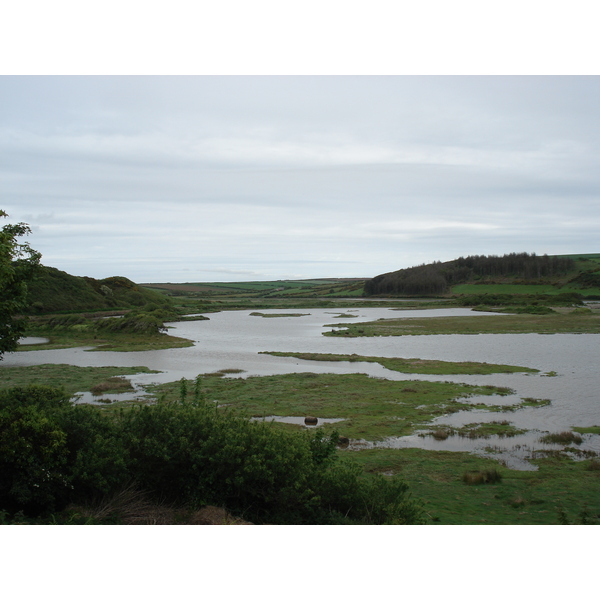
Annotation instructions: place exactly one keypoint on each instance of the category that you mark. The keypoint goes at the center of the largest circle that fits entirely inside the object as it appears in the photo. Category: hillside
(512, 273)
(56, 291)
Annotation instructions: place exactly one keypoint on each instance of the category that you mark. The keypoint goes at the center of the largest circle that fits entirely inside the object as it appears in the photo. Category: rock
(310, 420)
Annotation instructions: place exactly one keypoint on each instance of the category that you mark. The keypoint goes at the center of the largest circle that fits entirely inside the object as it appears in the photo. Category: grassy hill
(53, 291)
(285, 289)
(509, 274)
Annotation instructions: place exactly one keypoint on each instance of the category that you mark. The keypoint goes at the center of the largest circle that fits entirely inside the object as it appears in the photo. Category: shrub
(54, 453)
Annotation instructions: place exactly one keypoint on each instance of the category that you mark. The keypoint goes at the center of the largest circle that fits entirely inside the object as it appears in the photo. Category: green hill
(54, 291)
(509, 274)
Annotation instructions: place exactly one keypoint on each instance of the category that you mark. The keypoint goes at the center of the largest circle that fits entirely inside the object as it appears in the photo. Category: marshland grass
(481, 477)
(521, 498)
(563, 437)
(593, 429)
(277, 315)
(413, 365)
(371, 408)
(477, 430)
(113, 385)
(103, 341)
(72, 379)
(506, 323)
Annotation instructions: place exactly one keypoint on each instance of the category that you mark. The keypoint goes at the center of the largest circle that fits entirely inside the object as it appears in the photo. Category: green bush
(53, 453)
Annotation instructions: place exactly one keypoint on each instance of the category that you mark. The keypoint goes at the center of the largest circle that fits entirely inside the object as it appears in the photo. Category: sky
(238, 178)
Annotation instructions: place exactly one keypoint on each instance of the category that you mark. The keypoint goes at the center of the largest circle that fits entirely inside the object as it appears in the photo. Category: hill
(512, 273)
(53, 291)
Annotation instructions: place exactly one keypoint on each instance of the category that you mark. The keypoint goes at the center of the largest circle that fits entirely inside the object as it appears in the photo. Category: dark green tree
(17, 263)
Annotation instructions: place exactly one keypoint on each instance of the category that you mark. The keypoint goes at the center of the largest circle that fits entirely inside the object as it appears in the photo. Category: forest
(438, 277)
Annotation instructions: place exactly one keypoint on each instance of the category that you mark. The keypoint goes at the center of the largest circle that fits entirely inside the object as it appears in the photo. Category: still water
(234, 339)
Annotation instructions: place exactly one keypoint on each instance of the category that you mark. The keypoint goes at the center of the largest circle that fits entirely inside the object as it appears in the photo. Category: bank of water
(234, 339)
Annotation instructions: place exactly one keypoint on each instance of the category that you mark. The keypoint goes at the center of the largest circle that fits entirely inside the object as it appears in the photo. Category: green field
(573, 322)
(561, 491)
(507, 288)
(306, 288)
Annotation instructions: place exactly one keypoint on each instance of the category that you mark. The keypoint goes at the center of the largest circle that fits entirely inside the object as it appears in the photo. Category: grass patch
(223, 372)
(103, 341)
(481, 477)
(413, 365)
(523, 498)
(112, 384)
(595, 429)
(277, 315)
(372, 409)
(564, 438)
(477, 430)
(72, 379)
(524, 323)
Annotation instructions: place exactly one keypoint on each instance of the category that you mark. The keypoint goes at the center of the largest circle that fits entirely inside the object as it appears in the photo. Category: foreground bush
(53, 454)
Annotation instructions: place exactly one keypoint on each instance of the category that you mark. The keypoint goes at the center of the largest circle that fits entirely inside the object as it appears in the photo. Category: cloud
(166, 177)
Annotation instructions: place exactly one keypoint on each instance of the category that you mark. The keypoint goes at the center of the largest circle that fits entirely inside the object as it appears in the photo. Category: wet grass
(113, 385)
(477, 430)
(564, 438)
(522, 497)
(105, 341)
(593, 429)
(73, 379)
(481, 477)
(277, 315)
(372, 409)
(413, 365)
(507, 323)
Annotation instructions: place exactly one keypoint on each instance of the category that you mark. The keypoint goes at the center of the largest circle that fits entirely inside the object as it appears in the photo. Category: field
(586, 321)
(305, 288)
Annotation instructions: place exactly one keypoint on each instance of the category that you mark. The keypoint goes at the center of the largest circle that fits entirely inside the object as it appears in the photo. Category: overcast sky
(233, 178)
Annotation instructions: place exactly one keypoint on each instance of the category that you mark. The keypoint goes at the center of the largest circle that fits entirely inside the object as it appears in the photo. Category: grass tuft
(113, 384)
(564, 437)
(482, 477)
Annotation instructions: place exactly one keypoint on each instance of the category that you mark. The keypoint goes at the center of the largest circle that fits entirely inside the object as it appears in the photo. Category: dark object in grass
(344, 441)
(440, 434)
(480, 477)
(564, 437)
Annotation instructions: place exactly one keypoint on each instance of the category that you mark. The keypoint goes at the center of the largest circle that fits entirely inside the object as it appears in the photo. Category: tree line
(438, 277)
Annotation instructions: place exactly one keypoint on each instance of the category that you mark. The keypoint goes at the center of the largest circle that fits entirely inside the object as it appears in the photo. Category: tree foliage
(17, 262)
(192, 453)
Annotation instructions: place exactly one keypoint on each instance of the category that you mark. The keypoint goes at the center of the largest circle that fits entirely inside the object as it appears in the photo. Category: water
(234, 339)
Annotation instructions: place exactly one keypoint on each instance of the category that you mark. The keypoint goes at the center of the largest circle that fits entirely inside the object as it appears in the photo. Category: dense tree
(17, 262)
(438, 277)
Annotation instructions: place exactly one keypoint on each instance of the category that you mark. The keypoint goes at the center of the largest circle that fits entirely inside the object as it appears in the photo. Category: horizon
(324, 278)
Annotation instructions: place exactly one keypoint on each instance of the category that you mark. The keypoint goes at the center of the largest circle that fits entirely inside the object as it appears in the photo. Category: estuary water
(568, 363)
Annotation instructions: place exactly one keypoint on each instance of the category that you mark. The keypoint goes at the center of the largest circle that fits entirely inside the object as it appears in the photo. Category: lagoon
(234, 339)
